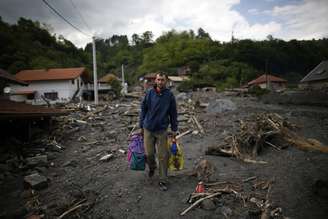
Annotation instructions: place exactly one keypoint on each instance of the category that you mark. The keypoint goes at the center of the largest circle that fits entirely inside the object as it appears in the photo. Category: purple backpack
(136, 153)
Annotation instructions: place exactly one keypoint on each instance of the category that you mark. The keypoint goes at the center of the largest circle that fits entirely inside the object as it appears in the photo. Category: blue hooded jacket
(158, 110)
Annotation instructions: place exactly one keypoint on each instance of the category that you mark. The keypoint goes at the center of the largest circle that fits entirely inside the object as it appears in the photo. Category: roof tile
(263, 78)
(50, 74)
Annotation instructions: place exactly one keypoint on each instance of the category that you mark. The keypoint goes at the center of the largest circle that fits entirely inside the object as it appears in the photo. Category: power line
(80, 14)
(62, 17)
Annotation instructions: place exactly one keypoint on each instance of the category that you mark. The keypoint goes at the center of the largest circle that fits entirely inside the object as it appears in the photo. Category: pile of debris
(97, 116)
(266, 129)
(248, 198)
(187, 119)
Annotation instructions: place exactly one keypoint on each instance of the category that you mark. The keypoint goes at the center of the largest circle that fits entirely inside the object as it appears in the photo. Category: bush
(116, 86)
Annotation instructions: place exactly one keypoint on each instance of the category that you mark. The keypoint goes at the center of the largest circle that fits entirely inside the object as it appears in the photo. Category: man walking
(158, 110)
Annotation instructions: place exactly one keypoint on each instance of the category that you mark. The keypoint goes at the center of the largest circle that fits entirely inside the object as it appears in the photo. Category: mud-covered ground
(114, 191)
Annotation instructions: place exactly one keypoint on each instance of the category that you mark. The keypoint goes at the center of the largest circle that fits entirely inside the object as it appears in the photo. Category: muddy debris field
(242, 159)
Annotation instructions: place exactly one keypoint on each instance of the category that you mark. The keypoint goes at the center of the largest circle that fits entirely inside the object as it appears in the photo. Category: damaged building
(317, 78)
(50, 85)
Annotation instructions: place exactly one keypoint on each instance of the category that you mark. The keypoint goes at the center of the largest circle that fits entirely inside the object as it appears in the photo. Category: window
(51, 95)
(73, 81)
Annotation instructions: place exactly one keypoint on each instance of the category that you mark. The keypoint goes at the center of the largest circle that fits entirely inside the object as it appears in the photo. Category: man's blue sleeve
(173, 114)
(143, 111)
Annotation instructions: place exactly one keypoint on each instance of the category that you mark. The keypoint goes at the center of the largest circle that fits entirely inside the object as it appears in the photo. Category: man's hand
(174, 134)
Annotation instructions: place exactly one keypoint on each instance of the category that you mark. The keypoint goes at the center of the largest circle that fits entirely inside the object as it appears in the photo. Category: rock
(208, 204)
(221, 105)
(41, 160)
(36, 181)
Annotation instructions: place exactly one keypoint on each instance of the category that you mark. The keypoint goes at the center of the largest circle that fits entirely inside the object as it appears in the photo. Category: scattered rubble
(36, 181)
(203, 170)
(70, 159)
(257, 202)
(41, 160)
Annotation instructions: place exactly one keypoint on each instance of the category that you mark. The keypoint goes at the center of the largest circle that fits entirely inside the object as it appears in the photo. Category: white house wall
(64, 88)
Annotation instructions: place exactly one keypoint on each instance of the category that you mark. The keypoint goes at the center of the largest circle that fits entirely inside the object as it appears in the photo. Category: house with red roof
(267, 81)
(56, 85)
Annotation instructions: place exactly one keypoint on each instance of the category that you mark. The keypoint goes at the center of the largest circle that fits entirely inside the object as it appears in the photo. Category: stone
(41, 160)
(221, 105)
(208, 204)
(36, 181)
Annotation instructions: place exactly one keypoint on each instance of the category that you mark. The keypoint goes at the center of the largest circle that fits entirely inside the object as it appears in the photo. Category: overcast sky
(254, 19)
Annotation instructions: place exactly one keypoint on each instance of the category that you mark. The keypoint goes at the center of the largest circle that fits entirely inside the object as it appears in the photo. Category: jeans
(157, 142)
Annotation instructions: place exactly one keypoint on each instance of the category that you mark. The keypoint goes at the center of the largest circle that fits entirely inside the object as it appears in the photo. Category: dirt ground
(76, 173)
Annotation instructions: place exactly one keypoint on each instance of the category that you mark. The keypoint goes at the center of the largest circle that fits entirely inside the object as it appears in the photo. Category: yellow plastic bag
(176, 159)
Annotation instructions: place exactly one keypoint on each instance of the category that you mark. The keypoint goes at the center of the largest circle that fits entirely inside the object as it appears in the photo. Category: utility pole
(124, 90)
(95, 81)
(123, 82)
(266, 74)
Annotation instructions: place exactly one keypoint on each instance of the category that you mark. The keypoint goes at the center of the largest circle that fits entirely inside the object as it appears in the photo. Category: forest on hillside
(30, 45)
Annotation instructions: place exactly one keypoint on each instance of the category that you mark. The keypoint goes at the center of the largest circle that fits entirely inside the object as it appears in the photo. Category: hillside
(29, 45)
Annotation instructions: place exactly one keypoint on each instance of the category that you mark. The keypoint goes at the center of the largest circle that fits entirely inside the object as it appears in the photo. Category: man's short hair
(162, 74)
